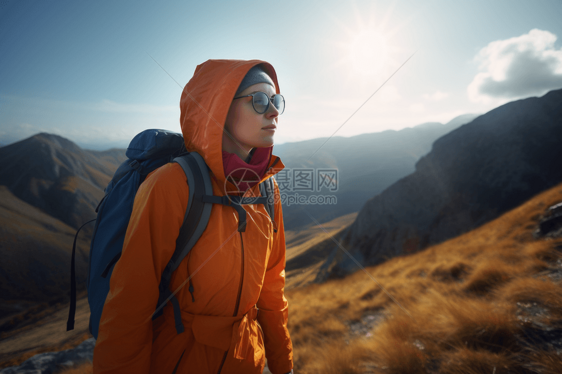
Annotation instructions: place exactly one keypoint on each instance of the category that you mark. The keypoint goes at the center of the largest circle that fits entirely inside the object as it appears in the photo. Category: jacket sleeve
(273, 306)
(124, 341)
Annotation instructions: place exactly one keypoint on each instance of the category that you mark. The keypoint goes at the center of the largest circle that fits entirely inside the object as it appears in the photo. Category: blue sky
(87, 70)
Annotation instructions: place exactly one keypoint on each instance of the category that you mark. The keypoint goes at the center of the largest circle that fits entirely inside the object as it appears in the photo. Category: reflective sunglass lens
(260, 102)
(279, 103)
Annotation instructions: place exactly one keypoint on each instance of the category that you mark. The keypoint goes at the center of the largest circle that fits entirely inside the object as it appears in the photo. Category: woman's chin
(265, 143)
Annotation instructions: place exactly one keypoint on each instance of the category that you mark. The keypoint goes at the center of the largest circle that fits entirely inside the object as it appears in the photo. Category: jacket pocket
(254, 361)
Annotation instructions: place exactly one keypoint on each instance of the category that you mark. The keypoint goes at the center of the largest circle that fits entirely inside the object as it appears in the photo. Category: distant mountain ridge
(55, 175)
(471, 176)
(67, 181)
(366, 164)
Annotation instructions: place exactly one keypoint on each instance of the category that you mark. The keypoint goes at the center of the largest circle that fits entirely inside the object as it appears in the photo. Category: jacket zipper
(178, 364)
(237, 297)
(241, 278)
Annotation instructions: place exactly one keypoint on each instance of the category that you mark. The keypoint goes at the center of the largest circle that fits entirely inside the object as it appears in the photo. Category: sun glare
(368, 52)
(367, 46)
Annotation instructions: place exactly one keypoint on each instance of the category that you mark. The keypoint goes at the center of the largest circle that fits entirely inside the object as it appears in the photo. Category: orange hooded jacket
(238, 277)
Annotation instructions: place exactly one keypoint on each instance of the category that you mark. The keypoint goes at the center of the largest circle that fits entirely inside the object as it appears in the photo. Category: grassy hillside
(489, 301)
(308, 248)
(35, 265)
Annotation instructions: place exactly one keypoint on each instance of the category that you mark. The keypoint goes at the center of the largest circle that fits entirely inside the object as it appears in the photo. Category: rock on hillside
(53, 362)
(471, 176)
(58, 177)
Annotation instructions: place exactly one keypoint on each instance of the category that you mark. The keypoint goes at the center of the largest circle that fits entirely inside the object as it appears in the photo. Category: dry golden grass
(463, 306)
(302, 262)
(467, 361)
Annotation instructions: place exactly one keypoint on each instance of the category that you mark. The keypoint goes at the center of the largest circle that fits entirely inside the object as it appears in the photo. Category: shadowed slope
(472, 175)
(35, 249)
(58, 177)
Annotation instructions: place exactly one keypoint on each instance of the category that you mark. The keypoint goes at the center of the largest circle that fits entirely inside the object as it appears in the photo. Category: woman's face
(246, 126)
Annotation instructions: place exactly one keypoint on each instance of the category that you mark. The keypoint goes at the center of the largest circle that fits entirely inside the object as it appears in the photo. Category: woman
(236, 279)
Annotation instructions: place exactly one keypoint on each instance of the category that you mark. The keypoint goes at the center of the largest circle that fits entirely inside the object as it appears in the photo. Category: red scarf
(245, 175)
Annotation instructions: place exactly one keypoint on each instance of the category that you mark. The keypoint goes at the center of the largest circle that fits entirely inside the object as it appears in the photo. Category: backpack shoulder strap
(198, 213)
(195, 222)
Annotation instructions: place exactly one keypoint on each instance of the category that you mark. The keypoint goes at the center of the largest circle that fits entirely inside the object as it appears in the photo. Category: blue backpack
(148, 151)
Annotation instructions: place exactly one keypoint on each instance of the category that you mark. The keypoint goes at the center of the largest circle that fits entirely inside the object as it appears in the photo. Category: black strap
(192, 221)
(177, 314)
(72, 311)
(236, 202)
(195, 211)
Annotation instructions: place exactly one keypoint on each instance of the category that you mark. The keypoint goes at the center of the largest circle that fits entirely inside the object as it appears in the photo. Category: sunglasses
(260, 102)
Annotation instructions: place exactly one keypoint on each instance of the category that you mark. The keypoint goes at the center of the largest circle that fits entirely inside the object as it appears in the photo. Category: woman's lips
(270, 128)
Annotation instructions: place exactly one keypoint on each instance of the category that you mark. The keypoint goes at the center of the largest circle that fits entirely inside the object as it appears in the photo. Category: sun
(367, 47)
(368, 52)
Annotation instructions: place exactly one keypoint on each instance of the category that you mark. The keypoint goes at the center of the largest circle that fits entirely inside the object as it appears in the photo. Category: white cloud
(517, 67)
(436, 96)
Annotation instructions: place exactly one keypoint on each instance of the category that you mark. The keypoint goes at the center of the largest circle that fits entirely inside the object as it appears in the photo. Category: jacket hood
(204, 105)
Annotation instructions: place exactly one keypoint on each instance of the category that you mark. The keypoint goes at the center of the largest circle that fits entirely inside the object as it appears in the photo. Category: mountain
(471, 176)
(58, 177)
(366, 164)
(48, 188)
(35, 249)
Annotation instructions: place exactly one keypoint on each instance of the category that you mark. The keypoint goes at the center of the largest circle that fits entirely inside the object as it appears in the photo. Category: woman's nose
(272, 111)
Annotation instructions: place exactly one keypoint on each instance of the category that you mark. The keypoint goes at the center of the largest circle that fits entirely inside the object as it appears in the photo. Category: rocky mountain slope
(471, 176)
(366, 164)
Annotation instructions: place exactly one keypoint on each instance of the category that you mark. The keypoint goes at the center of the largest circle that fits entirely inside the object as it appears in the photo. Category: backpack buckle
(135, 165)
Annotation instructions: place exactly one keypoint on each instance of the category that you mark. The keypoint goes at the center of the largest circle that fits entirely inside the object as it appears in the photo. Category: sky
(99, 72)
